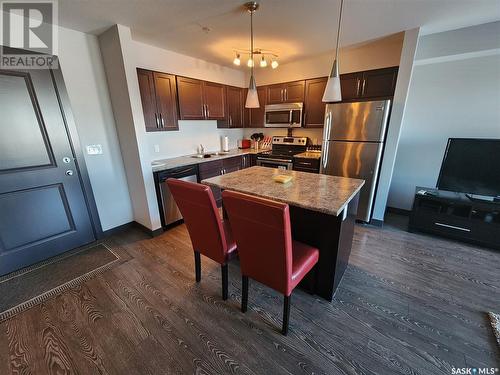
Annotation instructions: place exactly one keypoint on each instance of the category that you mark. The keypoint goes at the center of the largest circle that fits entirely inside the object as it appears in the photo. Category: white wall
(454, 92)
(82, 68)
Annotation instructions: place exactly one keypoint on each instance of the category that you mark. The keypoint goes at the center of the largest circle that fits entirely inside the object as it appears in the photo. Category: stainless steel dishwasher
(169, 211)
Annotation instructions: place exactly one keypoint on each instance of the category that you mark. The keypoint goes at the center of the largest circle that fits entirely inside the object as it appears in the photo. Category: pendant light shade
(333, 91)
(252, 97)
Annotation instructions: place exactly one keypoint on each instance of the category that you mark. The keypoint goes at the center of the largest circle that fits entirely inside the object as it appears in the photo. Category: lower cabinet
(306, 165)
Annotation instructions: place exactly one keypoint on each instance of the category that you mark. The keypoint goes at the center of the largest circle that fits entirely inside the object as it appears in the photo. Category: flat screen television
(471, 166)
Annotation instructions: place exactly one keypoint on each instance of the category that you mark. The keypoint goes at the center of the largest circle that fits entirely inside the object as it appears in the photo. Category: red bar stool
(210, 235)
(266, 250)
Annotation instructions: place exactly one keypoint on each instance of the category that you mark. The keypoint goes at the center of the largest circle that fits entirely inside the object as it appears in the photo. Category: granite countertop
(316, 192)
(308, 155)
(182, 161)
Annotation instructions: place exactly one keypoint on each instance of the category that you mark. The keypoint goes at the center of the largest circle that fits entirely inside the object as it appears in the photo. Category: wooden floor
(408, 304)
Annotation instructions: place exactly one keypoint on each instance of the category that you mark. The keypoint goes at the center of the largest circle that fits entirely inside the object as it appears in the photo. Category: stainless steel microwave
(286, 115)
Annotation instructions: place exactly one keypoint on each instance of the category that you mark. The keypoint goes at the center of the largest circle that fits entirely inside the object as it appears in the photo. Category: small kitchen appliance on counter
(244, 143)
(283, 150)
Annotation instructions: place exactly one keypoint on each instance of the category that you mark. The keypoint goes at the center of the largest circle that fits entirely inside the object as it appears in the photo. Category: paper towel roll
(225, 143)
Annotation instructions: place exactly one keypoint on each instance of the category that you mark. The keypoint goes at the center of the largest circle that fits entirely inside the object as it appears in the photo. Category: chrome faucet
(202, 149)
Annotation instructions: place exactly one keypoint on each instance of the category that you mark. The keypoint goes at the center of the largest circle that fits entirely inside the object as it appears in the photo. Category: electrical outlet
(94, 149)
(157, 148)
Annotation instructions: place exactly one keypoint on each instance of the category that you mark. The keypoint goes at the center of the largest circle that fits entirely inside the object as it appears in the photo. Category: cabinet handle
(357, 87)
(286, 94)
(363, 88)
(157, 121)
(208, 111)
(162, 121)
(281, 93)
(230, 120)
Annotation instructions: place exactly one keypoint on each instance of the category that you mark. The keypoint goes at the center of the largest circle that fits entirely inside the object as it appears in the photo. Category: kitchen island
(322, 213)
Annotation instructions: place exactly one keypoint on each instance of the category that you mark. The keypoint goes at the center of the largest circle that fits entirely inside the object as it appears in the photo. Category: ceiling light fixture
(252, 97)
(274, 64)
(263, 62)
(332, 90)
(237, 60)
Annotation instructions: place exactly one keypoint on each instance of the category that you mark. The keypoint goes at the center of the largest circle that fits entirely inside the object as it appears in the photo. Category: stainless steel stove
(283, 150)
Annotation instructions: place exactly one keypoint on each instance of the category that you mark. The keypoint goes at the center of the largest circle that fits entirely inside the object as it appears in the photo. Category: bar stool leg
(244, 293)
(224, 281)
(197, 265)
(286, 314)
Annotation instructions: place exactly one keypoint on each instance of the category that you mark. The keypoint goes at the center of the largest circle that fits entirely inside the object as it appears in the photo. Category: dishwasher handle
(178, 173)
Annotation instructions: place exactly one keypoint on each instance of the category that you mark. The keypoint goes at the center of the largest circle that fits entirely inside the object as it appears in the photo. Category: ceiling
(294, 29)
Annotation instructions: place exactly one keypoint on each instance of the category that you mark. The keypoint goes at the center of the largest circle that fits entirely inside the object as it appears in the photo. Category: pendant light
(252, 97)
(332, 90)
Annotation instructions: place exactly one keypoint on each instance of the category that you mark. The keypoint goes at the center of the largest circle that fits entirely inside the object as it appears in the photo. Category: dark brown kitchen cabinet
(159, 100)
(201, 100)
(256, 115)
(214, 96)
(314, 108)
(289, 92)
(231, 164)
(350, 85)
(235, 107)
(377, 83)
(191, 101)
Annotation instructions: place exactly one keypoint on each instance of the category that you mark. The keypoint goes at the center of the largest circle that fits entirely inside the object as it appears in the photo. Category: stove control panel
(292, 141)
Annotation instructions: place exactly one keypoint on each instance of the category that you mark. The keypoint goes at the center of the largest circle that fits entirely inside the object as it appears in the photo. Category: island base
(333, 236)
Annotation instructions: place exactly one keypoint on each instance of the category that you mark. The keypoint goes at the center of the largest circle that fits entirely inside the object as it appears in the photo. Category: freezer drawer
(355, 160)
(360, 121)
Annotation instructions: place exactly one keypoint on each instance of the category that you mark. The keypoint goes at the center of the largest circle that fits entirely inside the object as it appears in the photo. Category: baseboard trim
(152, 233)
(399, 211)
(377, 223)
(115, 230)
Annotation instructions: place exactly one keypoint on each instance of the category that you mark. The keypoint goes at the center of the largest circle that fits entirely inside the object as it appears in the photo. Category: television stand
(455, 215)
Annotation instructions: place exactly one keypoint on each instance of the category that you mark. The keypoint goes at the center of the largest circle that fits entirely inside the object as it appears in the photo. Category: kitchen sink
(201, 156)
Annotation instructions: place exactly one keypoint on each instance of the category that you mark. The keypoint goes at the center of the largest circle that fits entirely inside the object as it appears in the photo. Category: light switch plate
(157, 148)
(94, 149)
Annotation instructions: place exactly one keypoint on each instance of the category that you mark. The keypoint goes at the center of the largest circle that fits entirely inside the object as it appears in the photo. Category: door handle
(324, 156)
(69, 172)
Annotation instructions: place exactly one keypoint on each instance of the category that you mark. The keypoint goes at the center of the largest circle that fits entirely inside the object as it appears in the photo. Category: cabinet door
(214, 95)
(212, 169)
(148, 99)
(234, 107)
(379, 83)
(314, 108)
(294, 92)
(350, 85)
(257, 114)
(231, 164)
(166, 100)
(190, 93)
(275, 94)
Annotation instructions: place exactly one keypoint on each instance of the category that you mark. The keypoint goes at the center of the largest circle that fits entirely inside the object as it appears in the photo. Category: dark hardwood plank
(408, 304)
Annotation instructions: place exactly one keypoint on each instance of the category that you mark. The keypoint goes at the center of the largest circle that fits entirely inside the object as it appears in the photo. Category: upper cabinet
(235, 108)
(201, 100)
(289, 92)
(314, 108)
(159, 100)
(256, 115)
(376, 83)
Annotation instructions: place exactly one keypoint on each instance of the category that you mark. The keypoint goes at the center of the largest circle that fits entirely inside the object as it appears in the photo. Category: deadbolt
(66, 160)
(69, 172)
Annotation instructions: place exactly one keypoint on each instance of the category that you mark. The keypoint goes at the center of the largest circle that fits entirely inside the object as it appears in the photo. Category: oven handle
(276, 160)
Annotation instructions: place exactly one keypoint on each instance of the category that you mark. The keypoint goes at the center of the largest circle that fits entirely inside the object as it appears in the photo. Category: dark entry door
(43, 211)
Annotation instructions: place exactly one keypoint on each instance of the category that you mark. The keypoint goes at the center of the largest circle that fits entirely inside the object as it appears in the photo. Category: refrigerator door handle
(328, 123)
(325, 155)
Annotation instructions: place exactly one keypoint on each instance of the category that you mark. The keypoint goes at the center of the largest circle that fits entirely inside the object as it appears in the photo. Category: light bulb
(274, 64)
(250, 63)
(237, 60)
(263, 62)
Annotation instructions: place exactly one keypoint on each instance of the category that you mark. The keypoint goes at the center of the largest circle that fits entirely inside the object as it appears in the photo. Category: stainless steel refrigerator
(353, 141)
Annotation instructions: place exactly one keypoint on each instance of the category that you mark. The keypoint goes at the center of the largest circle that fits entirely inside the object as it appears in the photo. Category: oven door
(275, 163)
